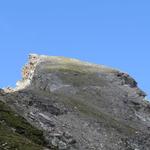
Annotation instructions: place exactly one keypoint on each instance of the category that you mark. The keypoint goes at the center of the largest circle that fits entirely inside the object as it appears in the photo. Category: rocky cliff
(76, 105)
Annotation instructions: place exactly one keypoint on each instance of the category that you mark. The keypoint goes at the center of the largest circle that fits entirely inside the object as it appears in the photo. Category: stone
(62, 145)
(55, 142)
(80, 105)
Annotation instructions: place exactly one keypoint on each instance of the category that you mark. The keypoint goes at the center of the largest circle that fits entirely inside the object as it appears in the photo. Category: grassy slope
(16, 133)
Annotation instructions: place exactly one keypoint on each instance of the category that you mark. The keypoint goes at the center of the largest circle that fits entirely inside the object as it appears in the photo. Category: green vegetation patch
(76, 67)
(76, 76)
(16, 133)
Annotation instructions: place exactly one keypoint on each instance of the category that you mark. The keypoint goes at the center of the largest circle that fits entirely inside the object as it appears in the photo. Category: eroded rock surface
(81, 106)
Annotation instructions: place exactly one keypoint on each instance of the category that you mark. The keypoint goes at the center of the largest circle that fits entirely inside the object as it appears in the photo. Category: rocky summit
(67, 104)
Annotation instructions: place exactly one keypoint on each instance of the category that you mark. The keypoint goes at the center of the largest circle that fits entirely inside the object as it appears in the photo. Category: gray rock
(62, 146)
(82, 106)
(55, 142)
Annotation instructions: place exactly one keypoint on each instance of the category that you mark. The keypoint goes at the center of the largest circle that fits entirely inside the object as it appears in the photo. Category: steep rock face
(81, 106)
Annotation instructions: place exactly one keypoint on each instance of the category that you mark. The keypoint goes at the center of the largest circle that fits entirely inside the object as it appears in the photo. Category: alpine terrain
(67, 104)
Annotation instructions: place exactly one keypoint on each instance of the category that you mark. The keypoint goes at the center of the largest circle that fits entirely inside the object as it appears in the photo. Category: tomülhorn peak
(74, 105)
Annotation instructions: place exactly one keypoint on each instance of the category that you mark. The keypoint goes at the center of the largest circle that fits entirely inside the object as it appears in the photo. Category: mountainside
(16, 133)
(66, 104)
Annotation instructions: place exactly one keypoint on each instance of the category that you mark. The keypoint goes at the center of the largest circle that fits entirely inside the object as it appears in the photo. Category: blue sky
(115, 33)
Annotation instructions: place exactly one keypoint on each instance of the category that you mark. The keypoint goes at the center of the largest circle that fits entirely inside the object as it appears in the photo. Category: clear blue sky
(111, 32)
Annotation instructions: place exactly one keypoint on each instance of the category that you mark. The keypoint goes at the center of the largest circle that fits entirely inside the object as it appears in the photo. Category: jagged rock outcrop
(81, 106)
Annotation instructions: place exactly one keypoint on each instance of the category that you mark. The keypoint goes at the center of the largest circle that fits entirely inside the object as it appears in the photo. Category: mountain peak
(81, 106)
(55, 61)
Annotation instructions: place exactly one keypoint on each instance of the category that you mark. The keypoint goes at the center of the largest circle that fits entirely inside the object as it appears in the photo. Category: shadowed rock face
(81, 106)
